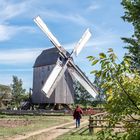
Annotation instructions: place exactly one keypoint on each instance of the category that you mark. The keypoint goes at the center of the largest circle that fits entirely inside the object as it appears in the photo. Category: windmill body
(54, 69)
(44, 64)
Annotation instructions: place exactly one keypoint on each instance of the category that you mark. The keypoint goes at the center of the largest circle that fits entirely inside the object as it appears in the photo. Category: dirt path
(48, 133)
(60, 131)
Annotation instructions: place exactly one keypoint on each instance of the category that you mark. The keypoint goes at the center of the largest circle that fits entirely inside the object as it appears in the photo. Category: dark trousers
(77, 122)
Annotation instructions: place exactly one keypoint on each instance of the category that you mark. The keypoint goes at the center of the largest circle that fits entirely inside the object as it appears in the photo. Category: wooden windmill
(54, 71)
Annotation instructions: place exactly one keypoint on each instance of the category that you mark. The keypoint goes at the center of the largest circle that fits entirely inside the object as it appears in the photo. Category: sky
(21, 40)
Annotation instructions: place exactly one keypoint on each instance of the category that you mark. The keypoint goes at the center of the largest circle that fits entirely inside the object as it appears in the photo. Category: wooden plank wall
(64, 92)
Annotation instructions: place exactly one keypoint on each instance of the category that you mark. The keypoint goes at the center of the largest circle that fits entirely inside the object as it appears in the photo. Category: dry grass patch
(19, 125)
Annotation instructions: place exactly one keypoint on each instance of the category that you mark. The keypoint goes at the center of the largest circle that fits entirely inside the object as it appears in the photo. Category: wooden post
(91, 128)
(100, 118)
(96, 122)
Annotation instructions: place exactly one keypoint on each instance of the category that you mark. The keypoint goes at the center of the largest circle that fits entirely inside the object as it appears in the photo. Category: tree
(121, 88)
(100, 98)
(132, 15)
(82, 96)
(5, 95)
(18, 92)
(121, 82)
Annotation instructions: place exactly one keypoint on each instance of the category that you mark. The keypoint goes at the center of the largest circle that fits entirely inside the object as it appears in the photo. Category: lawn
(81, 133)
(76, 136)
(12, 125)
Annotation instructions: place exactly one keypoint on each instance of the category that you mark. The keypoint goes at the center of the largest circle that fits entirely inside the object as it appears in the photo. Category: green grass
(81, 133)
(37, 122)
(70, 136)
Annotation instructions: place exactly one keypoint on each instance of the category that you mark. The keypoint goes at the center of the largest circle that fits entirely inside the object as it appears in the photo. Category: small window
(48, 68)
(60, 58)
(42, 82)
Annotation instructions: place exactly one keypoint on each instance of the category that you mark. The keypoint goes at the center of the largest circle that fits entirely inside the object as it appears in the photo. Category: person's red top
(77, 113)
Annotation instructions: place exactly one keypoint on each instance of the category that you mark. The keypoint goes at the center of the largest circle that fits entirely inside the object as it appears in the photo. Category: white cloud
(93, 7)
(98, 43)
(7, 31)
(19, 56)
(10, 10)
(16, 70)
(57, 16)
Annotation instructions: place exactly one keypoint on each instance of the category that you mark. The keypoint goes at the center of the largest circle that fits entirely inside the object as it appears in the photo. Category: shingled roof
(47, 57)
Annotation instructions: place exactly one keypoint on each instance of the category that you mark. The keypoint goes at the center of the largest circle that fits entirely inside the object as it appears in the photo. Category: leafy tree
(5, 95)
(121, 88)
(132, 15)
(100, 97)
(82, 96)
(121, 82)
(17, 91)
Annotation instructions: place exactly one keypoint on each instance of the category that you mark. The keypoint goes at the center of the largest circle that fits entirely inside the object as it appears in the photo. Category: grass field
(12, 125)
(81, 133)
(76, 136)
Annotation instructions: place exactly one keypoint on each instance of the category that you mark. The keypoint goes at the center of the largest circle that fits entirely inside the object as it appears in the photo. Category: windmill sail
(45, 29)
(86, 36)
(53, 79)
(83, 80)
(52, 38)
(60, 68)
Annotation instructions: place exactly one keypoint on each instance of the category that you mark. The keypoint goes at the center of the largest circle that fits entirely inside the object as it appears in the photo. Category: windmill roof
(47, 57)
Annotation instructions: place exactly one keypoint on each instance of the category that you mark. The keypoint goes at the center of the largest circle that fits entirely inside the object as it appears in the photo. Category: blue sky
(21, 41)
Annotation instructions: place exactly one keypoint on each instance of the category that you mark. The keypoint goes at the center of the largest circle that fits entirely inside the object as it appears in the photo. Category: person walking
(77, 115)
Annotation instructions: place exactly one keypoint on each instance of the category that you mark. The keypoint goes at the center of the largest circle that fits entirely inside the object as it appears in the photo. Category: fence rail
(32, 112)
(99, 121)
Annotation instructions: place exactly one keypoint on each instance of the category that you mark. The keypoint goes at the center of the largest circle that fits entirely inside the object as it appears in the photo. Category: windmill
(64, 64)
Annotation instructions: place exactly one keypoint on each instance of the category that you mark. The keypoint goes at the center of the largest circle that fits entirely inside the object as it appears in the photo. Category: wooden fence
(96, 121)
(88, 111)
(100, 121)
(33, 112)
